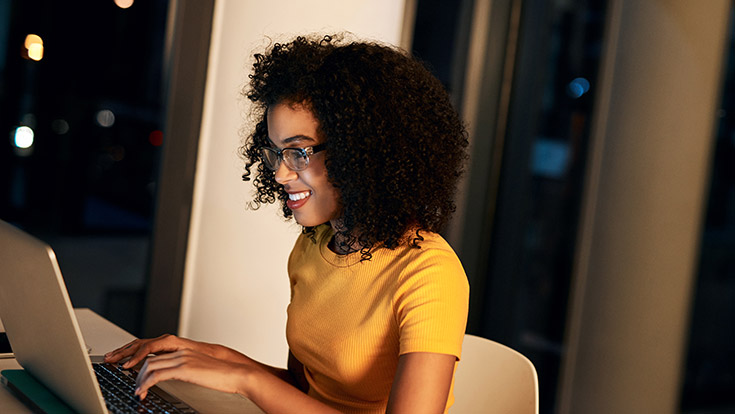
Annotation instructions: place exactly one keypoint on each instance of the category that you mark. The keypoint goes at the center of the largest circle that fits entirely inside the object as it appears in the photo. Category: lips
(296, 200)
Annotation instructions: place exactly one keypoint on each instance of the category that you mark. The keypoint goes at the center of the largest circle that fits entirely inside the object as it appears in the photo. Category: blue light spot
(578, 87)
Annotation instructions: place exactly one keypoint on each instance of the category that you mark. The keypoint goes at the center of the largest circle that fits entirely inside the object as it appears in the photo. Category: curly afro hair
(395, 145)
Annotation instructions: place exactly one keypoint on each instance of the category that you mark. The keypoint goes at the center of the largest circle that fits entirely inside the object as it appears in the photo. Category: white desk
(102, 336)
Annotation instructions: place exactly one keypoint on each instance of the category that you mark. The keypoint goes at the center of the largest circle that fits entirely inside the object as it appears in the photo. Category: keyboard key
(118, 390)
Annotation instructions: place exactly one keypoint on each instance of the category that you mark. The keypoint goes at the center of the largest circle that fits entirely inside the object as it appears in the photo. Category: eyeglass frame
(305, 152)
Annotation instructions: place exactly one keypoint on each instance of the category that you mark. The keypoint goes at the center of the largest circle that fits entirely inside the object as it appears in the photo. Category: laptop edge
(40, 321)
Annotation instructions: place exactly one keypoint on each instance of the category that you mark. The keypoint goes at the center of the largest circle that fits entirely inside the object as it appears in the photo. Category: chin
(305, 221)
(309, 221)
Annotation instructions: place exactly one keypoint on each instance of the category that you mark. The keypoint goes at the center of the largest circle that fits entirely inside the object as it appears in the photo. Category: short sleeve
(431, 303)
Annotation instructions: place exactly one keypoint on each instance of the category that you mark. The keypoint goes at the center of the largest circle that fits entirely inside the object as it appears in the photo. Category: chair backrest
(492, 378)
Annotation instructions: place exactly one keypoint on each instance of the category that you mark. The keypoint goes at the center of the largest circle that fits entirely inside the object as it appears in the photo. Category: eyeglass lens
(295, 158)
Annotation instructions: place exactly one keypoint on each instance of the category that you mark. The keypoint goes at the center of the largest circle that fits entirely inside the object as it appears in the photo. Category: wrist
(248, 379)
(213, 350)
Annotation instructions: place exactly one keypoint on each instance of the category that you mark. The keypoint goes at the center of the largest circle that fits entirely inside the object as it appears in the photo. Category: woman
(360, 144)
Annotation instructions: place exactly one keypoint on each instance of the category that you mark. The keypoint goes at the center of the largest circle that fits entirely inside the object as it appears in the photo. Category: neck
(340, 243)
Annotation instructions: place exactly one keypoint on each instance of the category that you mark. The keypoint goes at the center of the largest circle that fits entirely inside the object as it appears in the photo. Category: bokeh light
(124, 4)
(578, 87)
(23, 137)
(32, 39)
(60, 126)
(156, 138)
(34, 47)
(35, 52)
(105, 118)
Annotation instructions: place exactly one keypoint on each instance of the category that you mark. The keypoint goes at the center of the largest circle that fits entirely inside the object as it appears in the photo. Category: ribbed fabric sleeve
(349, 321)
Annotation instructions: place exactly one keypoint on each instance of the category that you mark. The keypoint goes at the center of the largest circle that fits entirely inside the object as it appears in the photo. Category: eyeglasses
(296, 159)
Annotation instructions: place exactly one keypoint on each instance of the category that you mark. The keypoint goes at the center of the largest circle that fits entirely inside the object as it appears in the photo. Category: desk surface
(102, 336)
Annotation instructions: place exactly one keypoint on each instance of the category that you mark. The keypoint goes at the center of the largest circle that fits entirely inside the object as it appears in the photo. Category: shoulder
(433, 251)
(433, 263)
(431, 301)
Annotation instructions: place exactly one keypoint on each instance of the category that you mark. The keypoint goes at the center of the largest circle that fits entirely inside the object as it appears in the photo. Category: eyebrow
(295, 138)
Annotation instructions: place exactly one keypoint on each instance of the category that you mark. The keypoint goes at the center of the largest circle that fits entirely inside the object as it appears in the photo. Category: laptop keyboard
(118, 390)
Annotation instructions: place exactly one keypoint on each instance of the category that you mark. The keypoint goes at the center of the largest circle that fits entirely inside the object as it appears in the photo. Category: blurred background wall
(596, 219)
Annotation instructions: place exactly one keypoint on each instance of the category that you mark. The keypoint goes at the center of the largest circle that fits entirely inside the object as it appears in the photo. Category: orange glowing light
(34, 47)
(124, 4)
(33, 39)
(35, 52)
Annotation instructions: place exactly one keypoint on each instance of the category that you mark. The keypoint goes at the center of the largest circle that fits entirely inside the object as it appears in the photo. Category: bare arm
(139, 349)
(255, 381)
(222, 368)
(421, 383)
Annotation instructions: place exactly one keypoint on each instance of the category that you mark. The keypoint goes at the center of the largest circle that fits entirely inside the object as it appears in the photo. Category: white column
(235, 286)
(643, 207)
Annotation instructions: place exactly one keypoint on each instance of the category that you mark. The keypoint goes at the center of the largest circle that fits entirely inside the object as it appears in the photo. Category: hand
(194, 367)
(138, 349)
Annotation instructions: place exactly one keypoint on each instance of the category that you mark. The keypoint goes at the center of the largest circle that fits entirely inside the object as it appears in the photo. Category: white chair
(492, 378)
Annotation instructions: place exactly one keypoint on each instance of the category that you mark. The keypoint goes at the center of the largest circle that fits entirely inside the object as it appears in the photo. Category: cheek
(330, 201)
(327, 193)
(327, 196)
(334, 200)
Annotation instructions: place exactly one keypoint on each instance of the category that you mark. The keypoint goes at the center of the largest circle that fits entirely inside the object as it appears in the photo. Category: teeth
(299, 196)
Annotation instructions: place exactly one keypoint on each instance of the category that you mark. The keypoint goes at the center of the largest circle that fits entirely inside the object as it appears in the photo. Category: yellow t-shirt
(348, 321)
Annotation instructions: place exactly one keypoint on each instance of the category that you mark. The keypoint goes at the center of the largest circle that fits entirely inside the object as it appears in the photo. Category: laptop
(47, 342)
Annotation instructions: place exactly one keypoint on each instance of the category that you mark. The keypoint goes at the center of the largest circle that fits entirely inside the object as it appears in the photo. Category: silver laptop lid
(40, 322)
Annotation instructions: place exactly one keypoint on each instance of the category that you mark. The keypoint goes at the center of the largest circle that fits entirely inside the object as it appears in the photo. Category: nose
(285, 174)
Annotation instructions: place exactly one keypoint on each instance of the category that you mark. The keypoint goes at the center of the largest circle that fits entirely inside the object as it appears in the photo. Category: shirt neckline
(323, 237)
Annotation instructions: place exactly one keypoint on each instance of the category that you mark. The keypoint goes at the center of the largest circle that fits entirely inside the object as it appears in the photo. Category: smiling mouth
(296, 200)
(299, 196)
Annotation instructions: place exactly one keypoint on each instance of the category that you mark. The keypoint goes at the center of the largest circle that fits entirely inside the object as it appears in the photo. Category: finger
(158, 363)
(137, 357)
(122, 352)
(155, 373)
(165, 343)
(141, 393)
(162, 359)
(154, 363)
(124, 347)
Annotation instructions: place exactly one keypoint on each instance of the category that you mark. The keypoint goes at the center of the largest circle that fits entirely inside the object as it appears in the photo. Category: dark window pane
(92, 106)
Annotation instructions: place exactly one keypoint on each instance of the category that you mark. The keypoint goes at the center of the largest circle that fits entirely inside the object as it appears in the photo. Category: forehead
(291, 123)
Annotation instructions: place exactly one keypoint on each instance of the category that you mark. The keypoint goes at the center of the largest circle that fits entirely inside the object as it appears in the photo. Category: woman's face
(312, 198)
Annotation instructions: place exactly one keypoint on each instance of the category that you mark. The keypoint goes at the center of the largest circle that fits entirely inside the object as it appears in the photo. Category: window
(81, 95)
